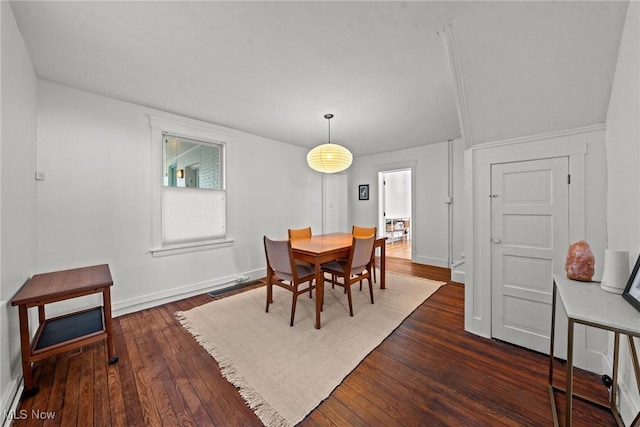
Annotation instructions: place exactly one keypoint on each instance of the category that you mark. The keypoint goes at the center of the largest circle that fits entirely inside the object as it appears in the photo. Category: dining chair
(284, 272)
(298, 233)
(355, 269)
(358, 231)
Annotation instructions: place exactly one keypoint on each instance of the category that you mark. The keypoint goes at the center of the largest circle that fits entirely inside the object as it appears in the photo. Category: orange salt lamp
(580, 262)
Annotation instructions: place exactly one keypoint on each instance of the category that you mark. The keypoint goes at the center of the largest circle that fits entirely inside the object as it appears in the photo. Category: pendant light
(329, 158)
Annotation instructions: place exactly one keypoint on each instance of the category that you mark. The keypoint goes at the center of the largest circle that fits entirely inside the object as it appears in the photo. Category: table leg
(111, 348)
(552, 397)
(636, 370)
(382, 265)
(569, 393)
(25, 348)
(553, 333)
(41, 314)
(616, 355)
(634, 360)
(319, 292)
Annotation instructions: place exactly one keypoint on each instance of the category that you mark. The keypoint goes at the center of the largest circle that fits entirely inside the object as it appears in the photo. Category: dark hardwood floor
(428, 372)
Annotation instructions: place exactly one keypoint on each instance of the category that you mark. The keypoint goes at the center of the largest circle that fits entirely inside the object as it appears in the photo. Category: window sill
(190, 247)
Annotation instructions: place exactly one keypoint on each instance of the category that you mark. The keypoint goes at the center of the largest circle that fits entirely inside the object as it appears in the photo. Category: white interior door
(530, 235)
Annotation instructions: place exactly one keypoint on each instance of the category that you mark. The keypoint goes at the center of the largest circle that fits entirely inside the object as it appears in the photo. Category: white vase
(616, 271)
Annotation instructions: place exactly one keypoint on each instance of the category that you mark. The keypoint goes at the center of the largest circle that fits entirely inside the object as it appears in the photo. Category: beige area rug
(284, 372)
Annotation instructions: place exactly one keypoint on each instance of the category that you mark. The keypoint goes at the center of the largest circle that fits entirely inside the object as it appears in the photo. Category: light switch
(39, 176)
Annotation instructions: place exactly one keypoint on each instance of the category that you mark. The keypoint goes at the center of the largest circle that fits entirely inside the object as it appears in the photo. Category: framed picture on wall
(363, 192)
(632, 291)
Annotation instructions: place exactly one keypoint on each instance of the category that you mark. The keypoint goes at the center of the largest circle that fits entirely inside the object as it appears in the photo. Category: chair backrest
(278, 255)
(298, 233)
(361, 250)
(363, 231)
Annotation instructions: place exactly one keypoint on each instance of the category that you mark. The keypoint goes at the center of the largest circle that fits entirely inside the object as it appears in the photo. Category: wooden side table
(586, 303)
(63, 333)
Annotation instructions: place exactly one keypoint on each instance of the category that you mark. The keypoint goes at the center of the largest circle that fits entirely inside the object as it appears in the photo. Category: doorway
(395, 211)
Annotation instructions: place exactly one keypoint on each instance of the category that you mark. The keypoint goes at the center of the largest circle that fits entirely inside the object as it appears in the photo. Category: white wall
(623, 182)
(335, 205)
(429, 164)
(17, 193)
(95, 204)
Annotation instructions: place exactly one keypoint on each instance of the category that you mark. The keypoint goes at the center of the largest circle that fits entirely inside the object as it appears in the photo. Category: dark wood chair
(355, 269)
(284, 272)
(358, 231)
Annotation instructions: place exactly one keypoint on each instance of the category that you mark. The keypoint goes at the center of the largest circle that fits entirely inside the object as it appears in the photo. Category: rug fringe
(267, 414)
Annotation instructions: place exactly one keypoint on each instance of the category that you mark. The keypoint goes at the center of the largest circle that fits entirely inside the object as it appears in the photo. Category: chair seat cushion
(340, 267)
(305, 270)
(302, 270)
(337, 266)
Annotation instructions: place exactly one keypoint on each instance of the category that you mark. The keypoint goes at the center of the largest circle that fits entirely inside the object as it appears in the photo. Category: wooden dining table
(323, 248)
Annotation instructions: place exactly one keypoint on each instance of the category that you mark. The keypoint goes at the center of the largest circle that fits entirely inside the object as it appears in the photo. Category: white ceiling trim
(448, 37)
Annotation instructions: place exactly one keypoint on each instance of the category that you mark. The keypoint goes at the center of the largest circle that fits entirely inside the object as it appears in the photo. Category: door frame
(396, 166)
(585, 148)
(383, 200)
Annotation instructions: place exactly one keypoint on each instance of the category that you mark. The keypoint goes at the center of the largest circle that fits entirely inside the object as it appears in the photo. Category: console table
(588, 304)
(63, 333)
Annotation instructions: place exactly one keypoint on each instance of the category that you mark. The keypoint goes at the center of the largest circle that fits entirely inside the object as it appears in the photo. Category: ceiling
(275, 68)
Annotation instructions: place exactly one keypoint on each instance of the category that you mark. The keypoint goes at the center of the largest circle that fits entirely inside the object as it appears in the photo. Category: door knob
(496, 240)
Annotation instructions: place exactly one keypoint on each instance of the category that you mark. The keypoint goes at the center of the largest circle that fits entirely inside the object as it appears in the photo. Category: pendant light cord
(329, 117)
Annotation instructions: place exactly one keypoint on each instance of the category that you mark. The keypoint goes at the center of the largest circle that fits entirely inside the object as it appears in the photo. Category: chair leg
(293, 306)
(348, 288)
(370, 288)
(373, 267)
(269, 295)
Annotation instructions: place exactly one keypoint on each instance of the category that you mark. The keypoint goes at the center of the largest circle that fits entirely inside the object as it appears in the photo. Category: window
(189, 163)
(189, 188)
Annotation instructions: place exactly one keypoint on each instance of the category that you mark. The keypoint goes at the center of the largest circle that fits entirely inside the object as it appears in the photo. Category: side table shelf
(67, 332)
(86, 326)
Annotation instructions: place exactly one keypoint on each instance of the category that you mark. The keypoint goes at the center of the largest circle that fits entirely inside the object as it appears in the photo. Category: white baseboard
(457, 276)
(628, 404)
(155, 299)
(10, 401)
(11, 390)
(436, 262)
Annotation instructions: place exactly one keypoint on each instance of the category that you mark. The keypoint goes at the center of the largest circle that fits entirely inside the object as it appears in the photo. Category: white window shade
(190, 216)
